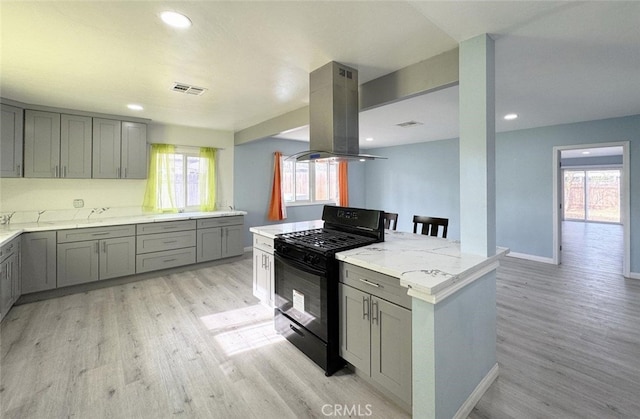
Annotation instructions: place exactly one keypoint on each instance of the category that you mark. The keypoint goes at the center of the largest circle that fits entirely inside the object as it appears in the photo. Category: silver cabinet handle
(100, 234)
(169, 241)
(19, 171)
(97, 247)
(373, 284)
(365, 308)
(104, 247)
(169, 260)
(125, 172)
(64, 171)
(374, 316)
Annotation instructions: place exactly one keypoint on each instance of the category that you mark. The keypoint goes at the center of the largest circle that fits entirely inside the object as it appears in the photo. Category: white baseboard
(531, 257)
(477, 393)
(634, 275)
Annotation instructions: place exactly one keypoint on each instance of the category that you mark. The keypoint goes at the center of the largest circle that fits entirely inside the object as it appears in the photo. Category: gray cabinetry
(57, 146)
(75, 146)
(219, 237)
(41, 144)
(39, 261)
(12, 126)
(119, 149)
(375, 329)
(90, 254)
(10, 281)
(165, 245)
(263, 269)
(106, 148)
(134, 150)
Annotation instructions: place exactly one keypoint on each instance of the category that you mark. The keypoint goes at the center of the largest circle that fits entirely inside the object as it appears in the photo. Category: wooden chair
(431, 225)
(390, 220)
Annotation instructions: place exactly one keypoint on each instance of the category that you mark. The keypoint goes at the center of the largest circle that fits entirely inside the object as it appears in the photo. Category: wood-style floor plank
(198, 344)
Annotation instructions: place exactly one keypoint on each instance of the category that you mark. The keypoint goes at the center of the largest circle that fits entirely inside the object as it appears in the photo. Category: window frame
(185, 152)
(312, 183)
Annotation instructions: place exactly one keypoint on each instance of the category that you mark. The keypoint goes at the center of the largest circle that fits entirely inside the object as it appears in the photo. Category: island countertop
(431, 268)
(272, 230)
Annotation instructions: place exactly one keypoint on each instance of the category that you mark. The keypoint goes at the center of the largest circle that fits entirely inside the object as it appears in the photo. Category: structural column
(477, 146)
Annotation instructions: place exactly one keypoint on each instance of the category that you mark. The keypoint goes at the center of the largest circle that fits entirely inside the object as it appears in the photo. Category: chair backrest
(390, 220)
(431, 225)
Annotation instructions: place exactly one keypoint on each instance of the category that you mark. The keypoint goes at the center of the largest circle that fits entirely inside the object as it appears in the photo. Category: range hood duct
(333, 115)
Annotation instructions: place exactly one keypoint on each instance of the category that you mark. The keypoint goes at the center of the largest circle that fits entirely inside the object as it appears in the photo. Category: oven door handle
(300, 266)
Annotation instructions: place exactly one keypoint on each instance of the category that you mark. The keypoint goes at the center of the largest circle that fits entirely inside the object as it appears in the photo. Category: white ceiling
(556, 62)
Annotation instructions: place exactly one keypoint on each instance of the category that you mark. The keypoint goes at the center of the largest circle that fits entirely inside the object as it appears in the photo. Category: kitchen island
(452, 310)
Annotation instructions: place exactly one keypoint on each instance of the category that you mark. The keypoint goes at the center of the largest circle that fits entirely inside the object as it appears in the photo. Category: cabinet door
(232, 241)
(11, 141)
(261, 281)
(16, 280)
(134, 150)
(355, 332)
(391, 347)
(209, 244)
(117, 257)
(5, 288)
(38, 261)
(41, 144)
(77, 262)
(75, 146)
(106, 148)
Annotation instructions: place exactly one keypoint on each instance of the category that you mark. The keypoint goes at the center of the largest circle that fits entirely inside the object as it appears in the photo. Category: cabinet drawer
(167, 259)
(383, 286)
(165, 226)
(165, 241)
(263, 243)
(95, 233)
(220, 221)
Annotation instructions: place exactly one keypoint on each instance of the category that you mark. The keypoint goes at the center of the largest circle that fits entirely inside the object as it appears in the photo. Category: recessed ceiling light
(363, 159)
(586, 152)
(135, 107)
(510, 116)
(175, 19)
(368, 139)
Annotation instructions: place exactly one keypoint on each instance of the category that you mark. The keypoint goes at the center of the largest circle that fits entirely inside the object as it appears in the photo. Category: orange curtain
(277, 210)
(343, 184)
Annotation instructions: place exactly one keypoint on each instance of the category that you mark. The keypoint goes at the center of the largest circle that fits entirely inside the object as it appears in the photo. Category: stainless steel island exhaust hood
(333, 115)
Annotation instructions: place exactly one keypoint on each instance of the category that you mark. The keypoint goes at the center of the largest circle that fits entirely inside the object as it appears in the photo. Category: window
(592, 195)
(180, 179)
(309, 182)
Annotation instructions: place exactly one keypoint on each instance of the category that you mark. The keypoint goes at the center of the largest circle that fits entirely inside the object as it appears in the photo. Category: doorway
(591, 205)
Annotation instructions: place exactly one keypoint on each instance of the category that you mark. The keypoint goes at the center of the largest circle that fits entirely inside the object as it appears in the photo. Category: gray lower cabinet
(375, 334)
(11, 126)
(165, 245)
(219, 237)
(38, 261)
(90, 254)
(10, 280)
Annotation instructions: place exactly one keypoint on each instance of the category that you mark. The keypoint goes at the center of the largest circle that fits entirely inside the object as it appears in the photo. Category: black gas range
(306, 280)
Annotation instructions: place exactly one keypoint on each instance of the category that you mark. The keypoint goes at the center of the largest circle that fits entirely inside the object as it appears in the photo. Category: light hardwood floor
(197, 344)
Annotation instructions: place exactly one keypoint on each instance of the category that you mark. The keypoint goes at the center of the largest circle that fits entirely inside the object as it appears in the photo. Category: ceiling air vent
(188, 89)
(409, 124)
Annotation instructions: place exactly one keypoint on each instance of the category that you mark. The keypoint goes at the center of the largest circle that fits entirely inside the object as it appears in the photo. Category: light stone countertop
(431, 268)
(9, 231)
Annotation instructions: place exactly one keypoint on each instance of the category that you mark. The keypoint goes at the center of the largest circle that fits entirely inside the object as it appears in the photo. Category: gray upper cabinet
(75, 146)
(12, 126)
(134, 150)
(119, 149)
(41, 144)
(107, 134)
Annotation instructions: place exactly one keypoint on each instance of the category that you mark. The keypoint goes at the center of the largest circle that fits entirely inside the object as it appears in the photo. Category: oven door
(301, 294)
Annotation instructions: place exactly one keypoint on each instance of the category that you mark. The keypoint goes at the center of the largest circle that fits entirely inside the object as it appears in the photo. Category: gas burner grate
(326, 240)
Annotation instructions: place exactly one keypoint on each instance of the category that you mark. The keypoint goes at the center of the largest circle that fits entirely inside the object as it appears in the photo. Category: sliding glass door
(592, 195)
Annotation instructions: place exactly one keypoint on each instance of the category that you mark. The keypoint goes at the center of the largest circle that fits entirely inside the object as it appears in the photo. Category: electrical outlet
(78, 203)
